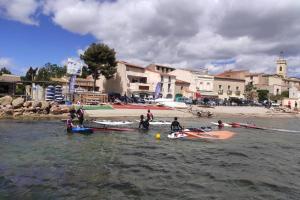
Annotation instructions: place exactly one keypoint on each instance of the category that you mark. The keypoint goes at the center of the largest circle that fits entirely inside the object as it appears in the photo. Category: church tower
(281, 66)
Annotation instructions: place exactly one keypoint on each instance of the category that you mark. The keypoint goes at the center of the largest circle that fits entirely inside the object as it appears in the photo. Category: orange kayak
(214, 135)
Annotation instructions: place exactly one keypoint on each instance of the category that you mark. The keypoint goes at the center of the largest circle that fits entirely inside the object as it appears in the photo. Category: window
(237, 88)
(169, 78)
(220, 86)
(181, 88)
(228, 87)
(201, 83)
(280, 69)
(207, 83)
(157, 68)
(169, 86)
(161, 78)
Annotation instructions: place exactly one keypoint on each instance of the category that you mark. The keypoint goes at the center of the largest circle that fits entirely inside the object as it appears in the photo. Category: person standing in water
(175, 126)
(144, 124)
(70, 124)
(149, 116)
(80, 115)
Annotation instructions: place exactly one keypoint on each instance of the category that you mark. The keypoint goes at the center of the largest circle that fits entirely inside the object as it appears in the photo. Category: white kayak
(158, 122)
(113, 123)
(217, 124)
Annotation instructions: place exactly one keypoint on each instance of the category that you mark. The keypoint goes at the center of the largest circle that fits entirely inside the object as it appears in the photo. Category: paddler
(175, 126)
(144, 124)
(80, 115)
(220, 124)
(149, 116)
(70, 124)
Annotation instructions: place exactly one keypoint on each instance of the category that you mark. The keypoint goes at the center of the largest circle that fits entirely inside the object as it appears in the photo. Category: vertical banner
(72, 84)
(157, 90)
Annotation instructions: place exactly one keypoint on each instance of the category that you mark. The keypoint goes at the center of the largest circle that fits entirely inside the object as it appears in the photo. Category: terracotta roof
(181, 82)
(229, 78)
(9, 78)
(131, 65)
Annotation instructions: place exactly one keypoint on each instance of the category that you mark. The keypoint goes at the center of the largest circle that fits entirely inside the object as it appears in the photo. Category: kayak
(213, 135)
(224, 124)
(158, 122)
(253, 126)
(82, 130)
(111, 129)
(113, 123)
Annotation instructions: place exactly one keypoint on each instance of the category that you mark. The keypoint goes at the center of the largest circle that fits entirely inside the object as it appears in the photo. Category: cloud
(5, 62)
(184, 32)
(20, 10)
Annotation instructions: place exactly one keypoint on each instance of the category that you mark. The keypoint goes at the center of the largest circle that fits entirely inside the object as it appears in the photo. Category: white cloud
(5, 62)
(19, 10)
(185, 32)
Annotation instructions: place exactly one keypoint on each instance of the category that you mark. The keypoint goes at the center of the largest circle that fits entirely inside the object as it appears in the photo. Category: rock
(45, 105)
(16, 114)
(8, 111)
(55, 110)
(18, 102)
(6, 100)
(19, 110)
(30, 109)
(27, 104)
(64, 109)
(8, 106)
(36, 104)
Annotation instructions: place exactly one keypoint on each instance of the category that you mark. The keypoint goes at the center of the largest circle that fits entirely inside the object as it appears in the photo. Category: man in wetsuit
(80, 115)
(175, 126)
(144, 124)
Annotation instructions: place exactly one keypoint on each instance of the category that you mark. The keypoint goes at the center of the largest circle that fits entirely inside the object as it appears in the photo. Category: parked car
(149, 100)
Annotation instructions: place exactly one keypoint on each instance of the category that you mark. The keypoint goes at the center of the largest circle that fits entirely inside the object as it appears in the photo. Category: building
(200, 83)
(131, 79)
(81, 84)
(160, 74)
(281, 67)
(8, 84)
(229, 88)
(182, 89)
(237, 74)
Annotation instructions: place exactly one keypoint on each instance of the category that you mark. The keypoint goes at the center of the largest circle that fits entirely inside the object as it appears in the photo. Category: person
(70, 124)
(80, 115)
(296, 104)
(149, 116)
(289, 104)
(220, 124)
(125, 98)
(144, 124)
(175, 126)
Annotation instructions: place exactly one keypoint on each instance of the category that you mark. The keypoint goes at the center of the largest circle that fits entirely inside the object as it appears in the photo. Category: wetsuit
(80, 115)
(175, 126)
(69, 125)
(144, 124)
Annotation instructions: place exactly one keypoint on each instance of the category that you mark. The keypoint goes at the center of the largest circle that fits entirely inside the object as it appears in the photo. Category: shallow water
(40, 161)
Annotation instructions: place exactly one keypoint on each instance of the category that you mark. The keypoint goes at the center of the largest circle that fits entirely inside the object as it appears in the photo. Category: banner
(72, 84)
(157, 90)
(74, 67)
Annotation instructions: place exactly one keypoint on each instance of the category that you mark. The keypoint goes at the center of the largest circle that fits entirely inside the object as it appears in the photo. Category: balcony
(140, 87)
(220, 92)
(229, 92)
(237, 93)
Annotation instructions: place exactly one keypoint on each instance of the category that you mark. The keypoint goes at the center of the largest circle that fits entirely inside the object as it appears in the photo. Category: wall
(233, 87)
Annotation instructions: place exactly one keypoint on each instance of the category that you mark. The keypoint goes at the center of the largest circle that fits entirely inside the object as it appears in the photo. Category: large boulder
(45, 105)
(64, 109)
(36, 104)
(16, 114)
(55, 110)
(6, 100)
(18, 102)
(8, 111)
(27, 104)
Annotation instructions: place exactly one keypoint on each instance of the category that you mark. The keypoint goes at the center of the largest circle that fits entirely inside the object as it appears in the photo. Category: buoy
(157, 136)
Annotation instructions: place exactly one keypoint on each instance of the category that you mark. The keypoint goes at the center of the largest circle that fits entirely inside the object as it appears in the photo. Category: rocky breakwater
(19, 108)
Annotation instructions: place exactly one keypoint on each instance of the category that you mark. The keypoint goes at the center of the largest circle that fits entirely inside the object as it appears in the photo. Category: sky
(214, 34)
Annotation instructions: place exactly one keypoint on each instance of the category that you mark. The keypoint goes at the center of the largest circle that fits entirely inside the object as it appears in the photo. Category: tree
(49, 71)
(84, 72)
(285, 94)
(262, 95)
(30, 74)
(100, 60)
(3, 70)
(250, 92)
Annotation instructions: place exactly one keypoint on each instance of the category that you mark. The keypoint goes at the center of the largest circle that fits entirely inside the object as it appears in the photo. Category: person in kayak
(70, 124)
(144, 124)
(175, 126)
(80, 115)
(220, 124)
(149, 116)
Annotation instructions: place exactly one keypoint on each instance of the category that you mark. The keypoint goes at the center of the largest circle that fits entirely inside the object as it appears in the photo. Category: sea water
(38, 160)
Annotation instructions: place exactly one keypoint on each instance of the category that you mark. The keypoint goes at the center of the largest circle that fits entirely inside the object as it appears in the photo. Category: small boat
(82, 130)
(113, 123)
(158, 122)
(194, 134)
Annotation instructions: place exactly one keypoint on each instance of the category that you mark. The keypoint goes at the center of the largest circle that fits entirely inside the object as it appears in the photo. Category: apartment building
(228, 88)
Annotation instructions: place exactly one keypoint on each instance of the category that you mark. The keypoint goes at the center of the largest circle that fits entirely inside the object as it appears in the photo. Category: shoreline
(180, 113)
